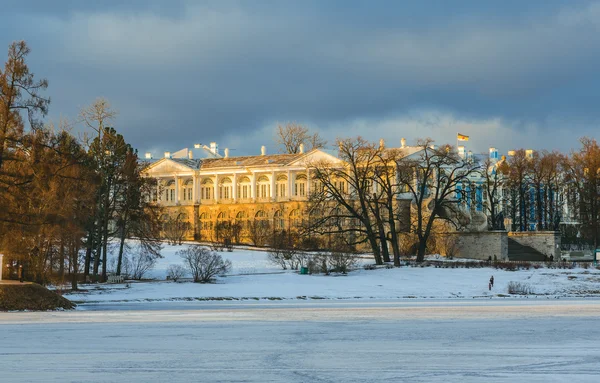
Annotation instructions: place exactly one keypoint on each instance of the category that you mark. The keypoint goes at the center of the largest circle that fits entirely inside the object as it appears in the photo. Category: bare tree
(204, 264)
(431, 177)
(283, 252)
(176, 228)
(345, 191)
(291, 135)
(582, 170)
(518, 171)
(494, 174)
(176, 272)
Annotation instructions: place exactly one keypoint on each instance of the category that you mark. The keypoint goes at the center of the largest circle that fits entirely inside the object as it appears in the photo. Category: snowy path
(318, 342)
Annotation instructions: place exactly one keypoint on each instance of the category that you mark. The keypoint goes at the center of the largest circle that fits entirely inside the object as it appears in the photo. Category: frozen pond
(429, 341)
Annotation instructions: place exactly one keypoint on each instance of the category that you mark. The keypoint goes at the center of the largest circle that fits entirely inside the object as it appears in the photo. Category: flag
(462, 137)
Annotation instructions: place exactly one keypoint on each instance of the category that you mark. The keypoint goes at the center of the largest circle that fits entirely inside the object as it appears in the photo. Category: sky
(509, 73)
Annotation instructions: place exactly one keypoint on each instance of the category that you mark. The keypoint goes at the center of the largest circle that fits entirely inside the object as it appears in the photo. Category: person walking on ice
(491, 282)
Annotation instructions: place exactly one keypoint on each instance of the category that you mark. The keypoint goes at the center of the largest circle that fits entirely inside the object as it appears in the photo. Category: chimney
(301, 148)
(263, 150)
(197, 146)
(190, 155)
(403, 142)
(226, 151)
(167, 154)
(381, 143)
(148, 155)
(214, 148)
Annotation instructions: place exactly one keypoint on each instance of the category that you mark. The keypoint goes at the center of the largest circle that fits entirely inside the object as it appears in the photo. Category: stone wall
(482, 245)
(546, 242)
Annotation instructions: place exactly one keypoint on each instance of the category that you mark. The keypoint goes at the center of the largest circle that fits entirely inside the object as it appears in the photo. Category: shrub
(204, 264)
(341, 262)
(519, 288)
(176, 272)
(136, 265)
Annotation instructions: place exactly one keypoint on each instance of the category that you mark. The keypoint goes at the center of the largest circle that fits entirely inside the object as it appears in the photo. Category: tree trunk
(421, 249)
(98, 254)
(61, 265)
(74, 252)
(384, 246)
(121, 247)
(395, 248)
(375, 248)
(88, 260)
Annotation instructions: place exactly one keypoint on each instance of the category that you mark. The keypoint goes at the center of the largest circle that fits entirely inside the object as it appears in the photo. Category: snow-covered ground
(253, 277)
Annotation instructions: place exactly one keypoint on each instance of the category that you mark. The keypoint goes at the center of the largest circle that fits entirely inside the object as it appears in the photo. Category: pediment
(315, 156)
(167, 166)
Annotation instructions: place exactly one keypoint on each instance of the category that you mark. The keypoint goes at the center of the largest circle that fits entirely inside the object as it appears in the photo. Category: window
(187, 190)
(205, 222)
(295, 219)
(261, 219)
(207, 189)
(225, 188)
(244, 188)
(264, 187)
(300, 186)
(280, 191)
(170, 191)
(242, 219)
(278, 220)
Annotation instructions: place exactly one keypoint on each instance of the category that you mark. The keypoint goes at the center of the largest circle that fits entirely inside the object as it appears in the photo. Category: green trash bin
(304, 270)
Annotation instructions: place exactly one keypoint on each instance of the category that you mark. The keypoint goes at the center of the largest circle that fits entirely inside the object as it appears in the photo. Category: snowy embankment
(253, 277)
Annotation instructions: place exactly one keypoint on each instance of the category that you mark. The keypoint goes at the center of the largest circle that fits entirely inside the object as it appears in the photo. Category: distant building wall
(482, 245)
(546, 242)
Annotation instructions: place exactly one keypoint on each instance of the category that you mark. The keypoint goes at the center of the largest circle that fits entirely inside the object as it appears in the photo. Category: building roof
(271, 159)
(194, 164)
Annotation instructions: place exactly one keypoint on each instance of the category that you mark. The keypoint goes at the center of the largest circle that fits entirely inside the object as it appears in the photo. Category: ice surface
(325, 341)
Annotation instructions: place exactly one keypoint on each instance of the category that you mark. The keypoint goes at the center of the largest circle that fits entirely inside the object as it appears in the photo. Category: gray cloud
(229, 71)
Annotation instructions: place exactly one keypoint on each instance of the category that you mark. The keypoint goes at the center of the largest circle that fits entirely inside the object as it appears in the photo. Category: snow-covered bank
(253, 277)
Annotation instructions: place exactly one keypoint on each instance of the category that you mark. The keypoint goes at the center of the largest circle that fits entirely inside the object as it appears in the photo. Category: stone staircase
(518, 252)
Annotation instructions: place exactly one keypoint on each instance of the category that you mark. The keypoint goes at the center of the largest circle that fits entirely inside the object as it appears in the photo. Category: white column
(1, 265)
(253, 186)
(158, 196)
(194, 189)
(307, 183)
(216, 188)
(176, 190)
(235, 188)
(273, 184)
(290, 185)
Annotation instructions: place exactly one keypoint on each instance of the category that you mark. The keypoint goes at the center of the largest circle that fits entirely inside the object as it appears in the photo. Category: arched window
(281, 186)
(300, 185)
(263, 187)
(170, 191)
(205, 221)
(261, 218)
(295, 218)
(207, 189)
(244, 190)
(242, 219)
(278, 220)
(222, 216)
(225, 188)
(188, 188)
